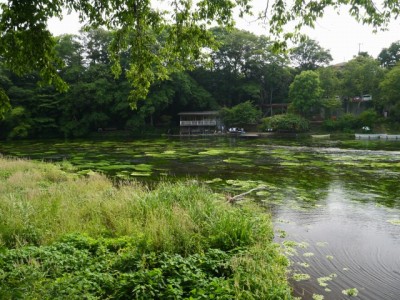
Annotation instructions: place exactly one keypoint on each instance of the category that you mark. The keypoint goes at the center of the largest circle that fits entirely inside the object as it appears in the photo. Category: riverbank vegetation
(66, 236)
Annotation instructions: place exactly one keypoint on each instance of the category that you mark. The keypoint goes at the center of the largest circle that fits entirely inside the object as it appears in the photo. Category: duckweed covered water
(335, 204)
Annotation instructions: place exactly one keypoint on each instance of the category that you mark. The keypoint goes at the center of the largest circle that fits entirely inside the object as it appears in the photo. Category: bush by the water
(285, 122)
(68, 237)
(350, 123)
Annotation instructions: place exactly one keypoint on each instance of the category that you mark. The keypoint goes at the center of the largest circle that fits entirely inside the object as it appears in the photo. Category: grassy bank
(69, 237)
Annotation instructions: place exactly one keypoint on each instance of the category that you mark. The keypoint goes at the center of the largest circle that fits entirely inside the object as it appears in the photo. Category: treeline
(243, 68)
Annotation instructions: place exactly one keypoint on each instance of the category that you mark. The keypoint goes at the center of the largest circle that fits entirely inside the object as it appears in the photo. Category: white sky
(340, 34)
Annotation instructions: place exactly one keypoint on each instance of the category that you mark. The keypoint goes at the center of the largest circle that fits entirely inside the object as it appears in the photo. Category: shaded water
(335, 205)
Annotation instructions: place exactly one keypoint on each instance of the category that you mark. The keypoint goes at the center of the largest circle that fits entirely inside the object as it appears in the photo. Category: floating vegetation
(281, 233)
(141, 174)
(143, 167)
(283, 221)
(245, 184)
(350, 292)
(328, 290)
(322, 281)
(290, 244)
(303, 245)
(308, 254)
(245, 162)
(169, 152)
(322, 244)
(300, 276)
(223, 151)
(214, 180)
(330, 257)
(317, 297)
(394, 222)
(303, 264)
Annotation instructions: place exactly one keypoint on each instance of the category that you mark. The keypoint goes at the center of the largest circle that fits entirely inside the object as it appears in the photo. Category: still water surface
(335, 204)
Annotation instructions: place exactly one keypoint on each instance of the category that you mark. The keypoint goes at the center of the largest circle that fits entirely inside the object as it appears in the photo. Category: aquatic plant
(350, 292)
(317, 297)
(303, 264)
(322, 281)
(300, 276)
(394, 222)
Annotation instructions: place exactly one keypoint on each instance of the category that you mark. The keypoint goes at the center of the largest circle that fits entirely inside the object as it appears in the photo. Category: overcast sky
(340, 34)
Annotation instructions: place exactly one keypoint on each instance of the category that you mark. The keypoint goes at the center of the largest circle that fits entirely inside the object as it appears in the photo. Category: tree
(137, 26)
(305, 13)
(241, 115)
(305, 93)
(390, 91)
(389, 57)
(309, 55)
(361, 76)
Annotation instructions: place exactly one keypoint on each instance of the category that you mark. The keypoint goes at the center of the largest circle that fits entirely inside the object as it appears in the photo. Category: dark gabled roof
(199, 113)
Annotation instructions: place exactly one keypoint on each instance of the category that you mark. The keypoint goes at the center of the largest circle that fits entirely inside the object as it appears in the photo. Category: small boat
(321, 136)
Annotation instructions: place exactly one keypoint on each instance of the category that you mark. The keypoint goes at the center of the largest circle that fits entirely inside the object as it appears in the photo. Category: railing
(199, 123)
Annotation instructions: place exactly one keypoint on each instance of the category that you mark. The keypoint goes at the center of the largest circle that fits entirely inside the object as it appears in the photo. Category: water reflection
(349, 239)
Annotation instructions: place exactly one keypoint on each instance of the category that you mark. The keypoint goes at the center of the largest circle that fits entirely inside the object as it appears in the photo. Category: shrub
(285, 122)
(368, 118)
(351, 123)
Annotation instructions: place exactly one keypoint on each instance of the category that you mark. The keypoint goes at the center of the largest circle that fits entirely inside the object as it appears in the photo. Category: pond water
(335, 204)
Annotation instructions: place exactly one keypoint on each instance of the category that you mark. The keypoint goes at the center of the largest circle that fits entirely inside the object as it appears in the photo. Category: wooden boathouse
(200, 122)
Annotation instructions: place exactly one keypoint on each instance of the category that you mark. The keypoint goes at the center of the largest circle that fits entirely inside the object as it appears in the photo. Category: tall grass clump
(65, 236)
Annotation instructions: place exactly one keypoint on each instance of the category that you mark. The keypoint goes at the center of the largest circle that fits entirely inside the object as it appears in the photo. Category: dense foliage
(174, 241)
(285, 123)
(242, 68)
(305, 93)
(241, 115)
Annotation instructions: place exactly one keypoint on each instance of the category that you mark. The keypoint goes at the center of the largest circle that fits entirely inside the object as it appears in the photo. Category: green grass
(64, 236)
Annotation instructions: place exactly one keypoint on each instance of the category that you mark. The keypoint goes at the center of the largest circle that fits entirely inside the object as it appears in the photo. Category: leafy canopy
(305, 93)
(159, 41)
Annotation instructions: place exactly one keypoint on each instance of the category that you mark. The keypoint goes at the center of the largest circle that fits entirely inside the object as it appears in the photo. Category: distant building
(200, 122)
